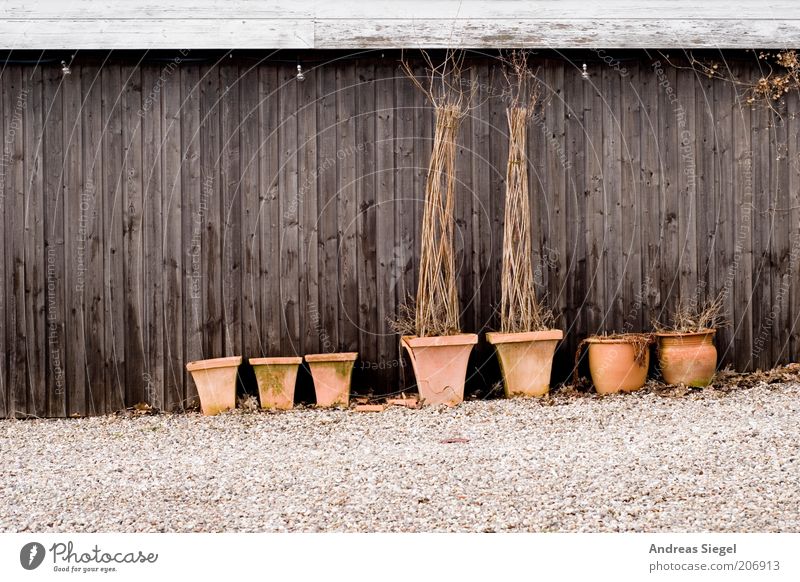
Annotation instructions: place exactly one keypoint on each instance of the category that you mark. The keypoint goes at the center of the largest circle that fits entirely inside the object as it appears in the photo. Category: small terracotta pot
(276, 378)
(687, 358)
(216, 383)
(331, 374)
(614, 366)
(440, 366)
(526, 360)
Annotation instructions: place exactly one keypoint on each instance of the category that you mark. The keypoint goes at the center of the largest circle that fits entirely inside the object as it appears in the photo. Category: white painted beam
(357, 24)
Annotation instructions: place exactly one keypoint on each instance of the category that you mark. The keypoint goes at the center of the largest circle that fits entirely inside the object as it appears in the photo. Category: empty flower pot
(440, 366)
(618, 363)
(331, 374)
(276, 378)
(526, 360)
(687, 358)
(216, 383)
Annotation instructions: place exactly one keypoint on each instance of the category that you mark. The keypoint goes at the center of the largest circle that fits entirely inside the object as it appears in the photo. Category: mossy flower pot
(618, 363)
(276, 378)
(440, 366)
(687, 358)
(216, 383)
(332, 374)
(526, 360)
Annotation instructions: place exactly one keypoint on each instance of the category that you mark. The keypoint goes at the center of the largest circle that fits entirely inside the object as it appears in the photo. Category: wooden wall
(157, 210)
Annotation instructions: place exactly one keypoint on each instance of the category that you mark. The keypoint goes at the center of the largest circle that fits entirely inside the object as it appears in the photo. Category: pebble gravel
(704, 461)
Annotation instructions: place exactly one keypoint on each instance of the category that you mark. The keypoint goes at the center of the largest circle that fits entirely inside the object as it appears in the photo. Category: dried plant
(779, 74)
(519, 309)
(692, 316)
(436, 309)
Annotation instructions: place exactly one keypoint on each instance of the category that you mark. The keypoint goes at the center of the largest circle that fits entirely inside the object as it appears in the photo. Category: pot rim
(279, 360)
(496, 337)
(598, 339)
(228, 362)
(461, 339)
(332, 357)
(708, 331)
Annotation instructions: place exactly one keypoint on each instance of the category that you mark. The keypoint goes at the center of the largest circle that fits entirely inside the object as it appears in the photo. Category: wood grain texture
(170, 210)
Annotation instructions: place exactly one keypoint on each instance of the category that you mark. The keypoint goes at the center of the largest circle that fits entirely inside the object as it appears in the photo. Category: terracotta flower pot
(526, 360)
(331, 374)
(216, 383)
(276, 378)
(440, 366)
(618, 363)
(687, 358)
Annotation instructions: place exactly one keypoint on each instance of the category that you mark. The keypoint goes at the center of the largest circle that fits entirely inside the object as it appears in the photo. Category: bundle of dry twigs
(436, 310)
(519, 309)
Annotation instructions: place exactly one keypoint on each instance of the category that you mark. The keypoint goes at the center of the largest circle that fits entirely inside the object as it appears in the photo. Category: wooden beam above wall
(349, 24)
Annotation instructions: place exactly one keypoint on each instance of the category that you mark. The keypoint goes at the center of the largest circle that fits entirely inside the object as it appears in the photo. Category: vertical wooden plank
(615, 270)
(761, 236)
(347, 209)
(596, 220)
(74, 248)
(230, 178)
(780, 247)
(289, 196)
(498, 156)
(463, 212)
(384, 198)
(250, 203)
(725, 253)
(366, 252)
(707, 204)
(687, 190)
(173, 246)
(13, 193)
(34, 243)
(153, 236)
(476, 134)
(744, 221)
(327, 314)
(576, 291)
(555, 253)
(91, 237)
(54, 243)
(308, 195)
(113, 295)
(793, 179)
(669, 109)
(632, 199)
(202, 192)
(407, 188)
(650, 176)
(270, 211)
(132, 216)
(202, 329)
(6, 408)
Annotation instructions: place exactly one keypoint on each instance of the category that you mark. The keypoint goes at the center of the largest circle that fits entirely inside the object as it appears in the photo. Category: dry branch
(436, 309)
(520, 311)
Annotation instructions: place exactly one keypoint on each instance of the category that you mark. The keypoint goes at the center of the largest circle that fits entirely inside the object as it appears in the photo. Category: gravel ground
(640, 462)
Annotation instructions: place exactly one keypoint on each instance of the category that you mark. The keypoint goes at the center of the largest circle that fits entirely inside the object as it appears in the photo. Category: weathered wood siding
(156, 211)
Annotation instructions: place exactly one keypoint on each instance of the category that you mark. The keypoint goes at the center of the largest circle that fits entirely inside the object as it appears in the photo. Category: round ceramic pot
(614, 365)
(687, 358)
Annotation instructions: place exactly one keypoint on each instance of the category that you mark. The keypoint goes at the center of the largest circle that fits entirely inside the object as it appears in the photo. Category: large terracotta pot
(276, 378)
(687, 358)
(216, 383)
(440, 366)
(331, 374)
(526, 360)
(618, 363)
